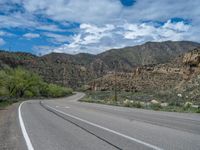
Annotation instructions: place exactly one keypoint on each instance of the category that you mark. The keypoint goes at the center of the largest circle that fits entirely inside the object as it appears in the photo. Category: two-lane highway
(65, 124)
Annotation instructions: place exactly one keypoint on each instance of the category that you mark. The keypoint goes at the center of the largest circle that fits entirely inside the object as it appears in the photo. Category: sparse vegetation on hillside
(171, 102)
(76, 70)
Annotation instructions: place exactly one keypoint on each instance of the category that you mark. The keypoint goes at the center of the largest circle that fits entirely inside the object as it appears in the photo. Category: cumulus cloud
(168, 31)
(91, 11)
(104, 24)
(31, 35)
(94, 39)
(101, 11)
(89, 35)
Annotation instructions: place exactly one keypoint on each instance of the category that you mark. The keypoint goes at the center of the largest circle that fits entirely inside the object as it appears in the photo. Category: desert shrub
(155, 106)
(4, 92)
(131, 103)
(128, 103)
(198, 110)
(187, 105)
(19, 83)
(57, 91)
(138, 105)
(28, 94)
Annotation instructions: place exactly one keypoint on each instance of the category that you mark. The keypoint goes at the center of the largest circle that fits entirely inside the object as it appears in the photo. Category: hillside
(148, 53)
(76, 70)
(182, 75)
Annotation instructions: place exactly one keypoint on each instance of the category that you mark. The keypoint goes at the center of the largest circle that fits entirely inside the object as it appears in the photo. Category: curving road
(65, 124)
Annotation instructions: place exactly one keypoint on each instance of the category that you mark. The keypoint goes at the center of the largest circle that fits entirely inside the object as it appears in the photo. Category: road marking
(62, 107)
(107, 129)
(23, 129)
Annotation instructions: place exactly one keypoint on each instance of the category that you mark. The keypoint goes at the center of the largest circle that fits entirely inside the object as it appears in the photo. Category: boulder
(192, 58)
(154, 101)
(164, 104)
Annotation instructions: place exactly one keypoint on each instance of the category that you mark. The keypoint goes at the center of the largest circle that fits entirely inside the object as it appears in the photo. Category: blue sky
(94, 26)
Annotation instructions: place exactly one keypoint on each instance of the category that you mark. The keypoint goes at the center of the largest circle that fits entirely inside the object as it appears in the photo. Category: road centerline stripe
(107, 129)
(23, 129)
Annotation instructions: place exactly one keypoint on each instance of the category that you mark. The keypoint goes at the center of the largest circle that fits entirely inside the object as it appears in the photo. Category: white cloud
(89, 35)
(90, 11)
(106, 24)
(17, 20)
(28, 21)
(178, 26)
(93, 34)
(169, 31)
(49, 27)
(2, 42)
(56, 38)
(107, 11)
(94, 39)
(31, 35)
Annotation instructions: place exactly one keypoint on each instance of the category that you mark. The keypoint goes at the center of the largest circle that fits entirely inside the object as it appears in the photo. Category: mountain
(148, 53)
(76, 70)
(181, 75)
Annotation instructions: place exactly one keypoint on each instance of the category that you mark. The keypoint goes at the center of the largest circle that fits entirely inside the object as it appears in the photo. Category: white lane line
(109, 130)
(23, 129)
(62, 107)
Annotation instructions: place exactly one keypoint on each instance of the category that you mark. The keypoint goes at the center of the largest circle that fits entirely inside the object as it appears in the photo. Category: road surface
(65, 124)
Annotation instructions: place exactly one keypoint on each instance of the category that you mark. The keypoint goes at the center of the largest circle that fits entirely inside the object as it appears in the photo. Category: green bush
(28, 94)
(138, 105)
(19, 83)
(198, 110)
(156, 106)
(57, 91)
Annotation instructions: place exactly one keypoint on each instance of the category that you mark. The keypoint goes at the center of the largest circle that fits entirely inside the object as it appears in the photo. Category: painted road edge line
(107, 129)
(23, 129)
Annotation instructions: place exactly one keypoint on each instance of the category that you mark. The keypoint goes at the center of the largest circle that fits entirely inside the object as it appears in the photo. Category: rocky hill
(148, 53)
(76, 70)
(181, 75)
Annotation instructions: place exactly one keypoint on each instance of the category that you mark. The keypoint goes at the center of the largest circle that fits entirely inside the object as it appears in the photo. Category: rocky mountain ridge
(182, 75)
(77, 70)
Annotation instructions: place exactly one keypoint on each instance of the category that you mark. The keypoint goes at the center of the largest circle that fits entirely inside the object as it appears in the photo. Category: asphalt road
(65, 124)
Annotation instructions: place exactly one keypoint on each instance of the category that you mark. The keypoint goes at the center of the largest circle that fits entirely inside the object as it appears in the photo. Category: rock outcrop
(181, 75)
(192, 58)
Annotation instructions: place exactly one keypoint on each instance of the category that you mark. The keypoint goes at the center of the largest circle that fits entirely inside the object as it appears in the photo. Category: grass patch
(140, 100)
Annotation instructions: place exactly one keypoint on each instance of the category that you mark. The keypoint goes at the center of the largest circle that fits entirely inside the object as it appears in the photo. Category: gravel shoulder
(11, 137)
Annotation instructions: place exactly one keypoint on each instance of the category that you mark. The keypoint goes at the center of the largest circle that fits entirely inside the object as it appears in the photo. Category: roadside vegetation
(17, 84)
(154, 101)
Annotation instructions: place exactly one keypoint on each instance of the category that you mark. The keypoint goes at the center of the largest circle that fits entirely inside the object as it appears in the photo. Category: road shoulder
(11, 137)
